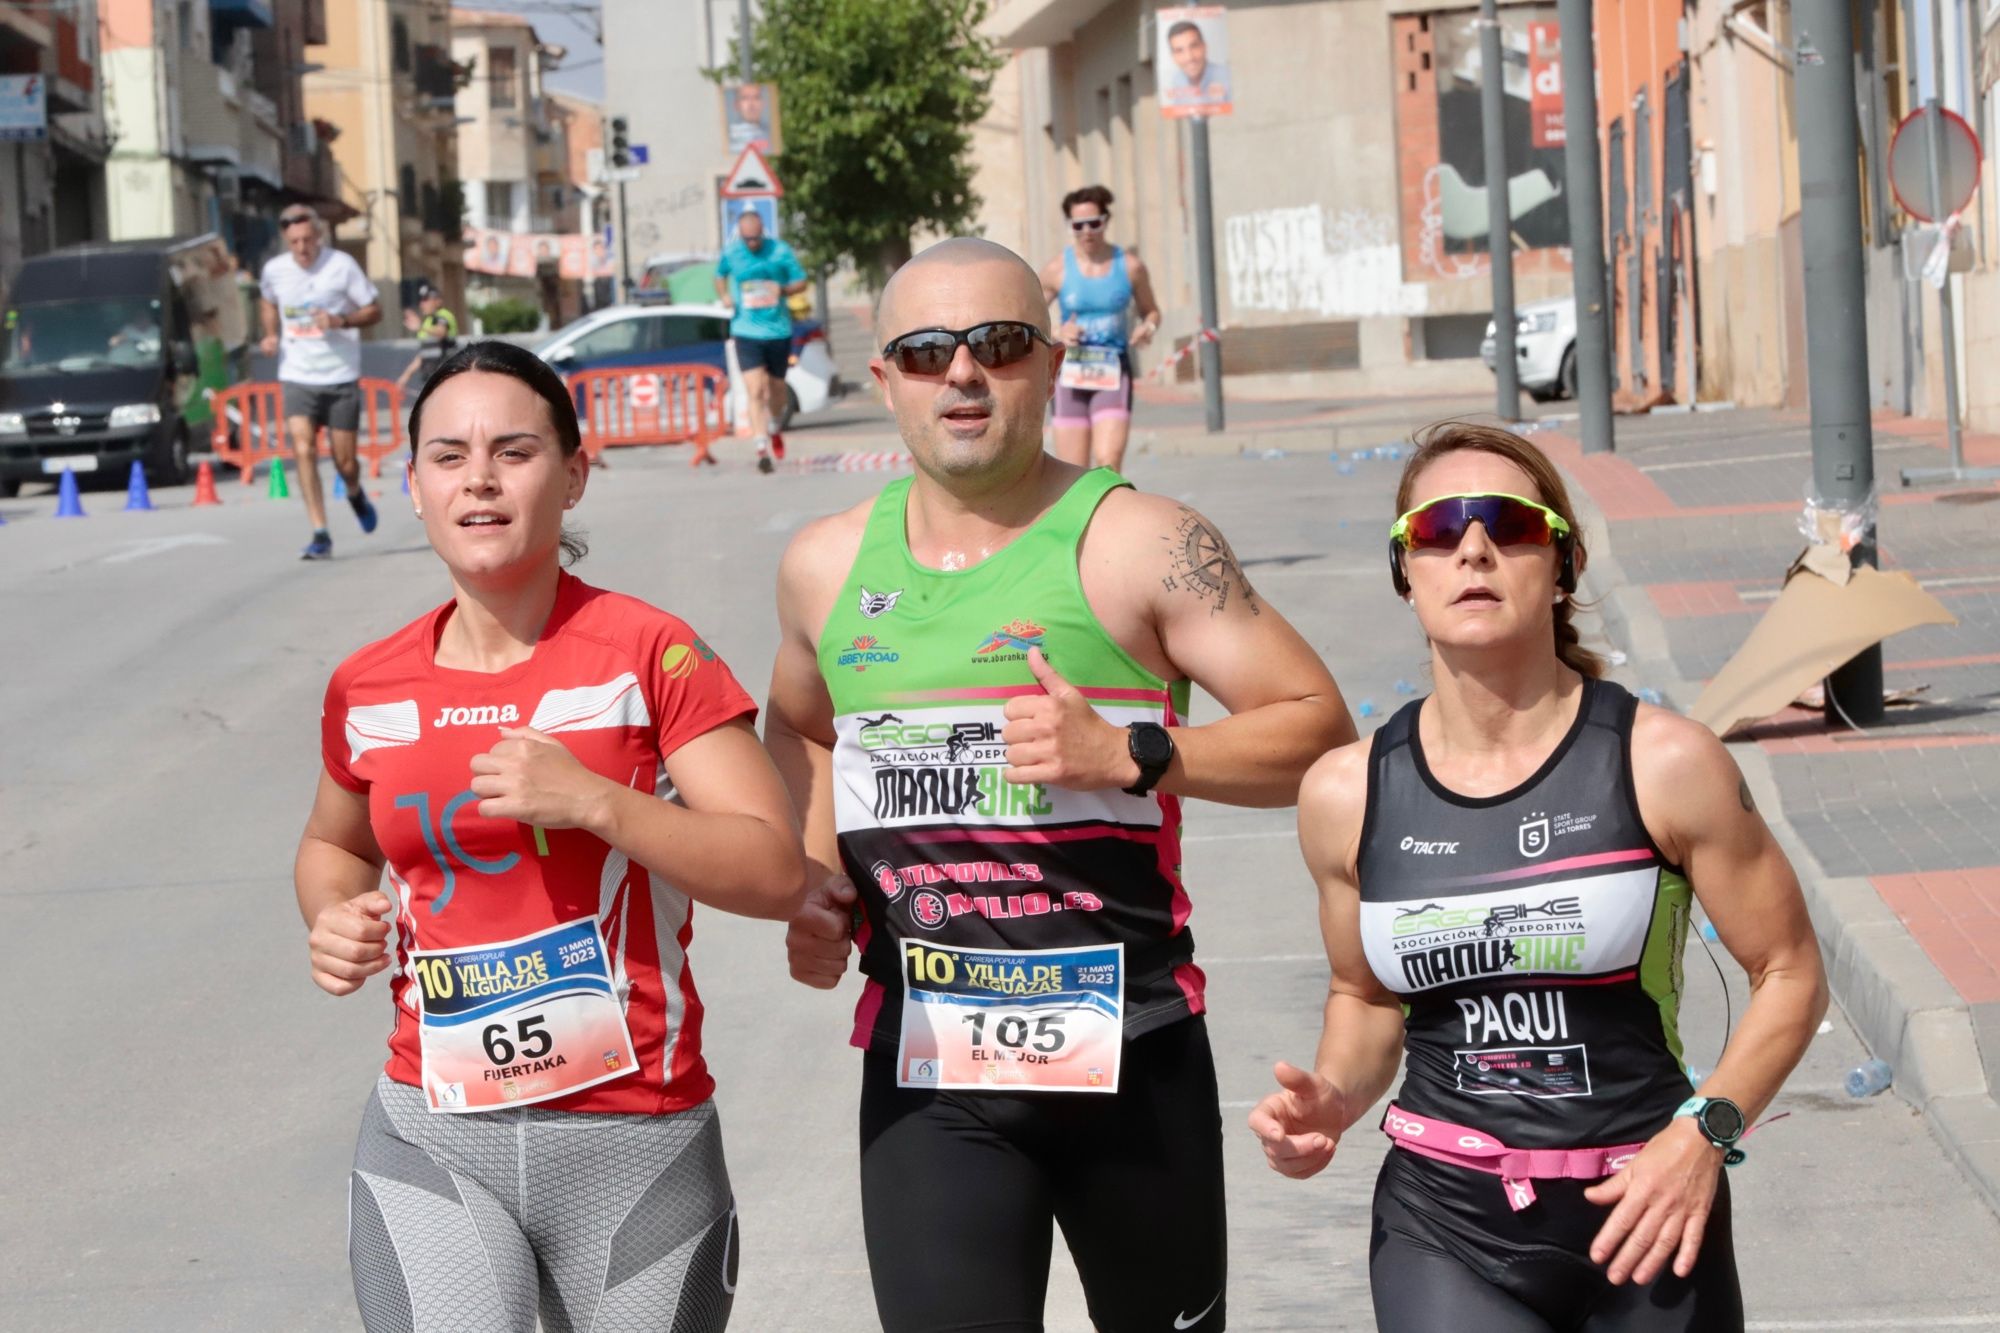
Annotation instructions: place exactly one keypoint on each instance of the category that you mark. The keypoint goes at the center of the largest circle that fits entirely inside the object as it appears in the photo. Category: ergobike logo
(489, 716)
(1418, 847)
(888, 736)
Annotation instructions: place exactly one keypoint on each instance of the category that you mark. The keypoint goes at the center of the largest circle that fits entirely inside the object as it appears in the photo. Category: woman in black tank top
(1506, 873)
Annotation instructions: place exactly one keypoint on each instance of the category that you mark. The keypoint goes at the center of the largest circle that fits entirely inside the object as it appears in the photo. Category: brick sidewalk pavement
(1899, 826)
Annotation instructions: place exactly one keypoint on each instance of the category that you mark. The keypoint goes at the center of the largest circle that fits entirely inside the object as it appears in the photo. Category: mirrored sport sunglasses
(1088, 224)
(1000, 343)
(1509, 520)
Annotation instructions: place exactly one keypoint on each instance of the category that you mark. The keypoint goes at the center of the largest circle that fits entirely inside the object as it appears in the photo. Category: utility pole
(1499, 224)
(1582, 166)
(1207, 348)
(624, 250)
(743, 40)
(1843, 445)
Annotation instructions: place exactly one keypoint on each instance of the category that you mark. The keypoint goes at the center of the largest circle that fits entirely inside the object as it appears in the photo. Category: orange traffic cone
(204, 486)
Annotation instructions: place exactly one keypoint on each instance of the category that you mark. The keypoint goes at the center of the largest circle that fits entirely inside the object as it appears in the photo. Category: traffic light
(621, 148)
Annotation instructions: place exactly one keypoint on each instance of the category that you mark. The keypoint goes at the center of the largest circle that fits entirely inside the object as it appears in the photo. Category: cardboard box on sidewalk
(1820, 621)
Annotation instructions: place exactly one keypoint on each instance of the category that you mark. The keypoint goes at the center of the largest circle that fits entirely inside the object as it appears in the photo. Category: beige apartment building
(388, 83)
(515, 157)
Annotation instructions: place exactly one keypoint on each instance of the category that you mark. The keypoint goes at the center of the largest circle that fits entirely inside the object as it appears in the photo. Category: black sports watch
(1152, 749)
(1721, 1122)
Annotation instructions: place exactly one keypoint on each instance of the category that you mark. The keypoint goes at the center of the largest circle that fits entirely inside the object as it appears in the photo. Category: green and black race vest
(1534, 938)
(920, 664)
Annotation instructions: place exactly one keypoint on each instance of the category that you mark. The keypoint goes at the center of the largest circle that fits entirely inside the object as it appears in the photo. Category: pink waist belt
(1518, 1168)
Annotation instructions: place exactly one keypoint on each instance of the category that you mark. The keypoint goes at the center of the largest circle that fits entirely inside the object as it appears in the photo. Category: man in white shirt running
(314, 299)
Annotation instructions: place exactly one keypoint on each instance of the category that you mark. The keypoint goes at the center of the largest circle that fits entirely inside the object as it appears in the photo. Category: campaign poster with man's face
(1191, 62)
(750, 111)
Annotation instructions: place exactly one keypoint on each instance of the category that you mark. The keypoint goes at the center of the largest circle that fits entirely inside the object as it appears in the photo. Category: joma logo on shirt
(477, 717)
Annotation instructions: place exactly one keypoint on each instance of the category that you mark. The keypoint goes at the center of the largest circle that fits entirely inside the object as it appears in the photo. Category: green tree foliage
(878, 99)
(509, 315)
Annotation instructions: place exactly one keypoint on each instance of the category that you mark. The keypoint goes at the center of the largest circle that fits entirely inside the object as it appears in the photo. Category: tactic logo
(1011, 642)
(1535, 834)
(877, 604)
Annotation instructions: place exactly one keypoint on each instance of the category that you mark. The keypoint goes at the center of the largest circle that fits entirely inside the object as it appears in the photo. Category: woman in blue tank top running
(1096, 284)
(1506, 872)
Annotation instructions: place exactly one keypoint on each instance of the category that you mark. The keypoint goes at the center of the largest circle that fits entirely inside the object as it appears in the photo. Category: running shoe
(364, 509)
(764, 453)
(777, 445)
(319, 548)
(764, 463)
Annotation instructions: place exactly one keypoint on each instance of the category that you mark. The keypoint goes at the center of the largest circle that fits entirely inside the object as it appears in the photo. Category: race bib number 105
(520, 1022)
(1051, 1020)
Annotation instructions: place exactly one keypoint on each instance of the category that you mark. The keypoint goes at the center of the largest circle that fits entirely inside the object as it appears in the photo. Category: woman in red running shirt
(551, 775)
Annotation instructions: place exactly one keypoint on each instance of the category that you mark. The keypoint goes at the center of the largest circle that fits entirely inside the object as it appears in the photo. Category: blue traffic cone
(68, 503)
(339, 486)
(136, 494)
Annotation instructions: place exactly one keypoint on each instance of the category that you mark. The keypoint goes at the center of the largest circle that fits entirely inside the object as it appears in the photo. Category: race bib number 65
(520, 1022)
(1050, 1020)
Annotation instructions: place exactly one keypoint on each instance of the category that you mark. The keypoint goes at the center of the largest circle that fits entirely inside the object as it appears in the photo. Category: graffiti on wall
(1307, 260)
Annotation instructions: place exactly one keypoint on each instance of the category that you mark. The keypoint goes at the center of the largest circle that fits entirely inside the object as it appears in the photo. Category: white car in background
(1544, 348)
(654, 335)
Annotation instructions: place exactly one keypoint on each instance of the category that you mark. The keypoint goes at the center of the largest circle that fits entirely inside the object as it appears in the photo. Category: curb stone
(1902, 1007)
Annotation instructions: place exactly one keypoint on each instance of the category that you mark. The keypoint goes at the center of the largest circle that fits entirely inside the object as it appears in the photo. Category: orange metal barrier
(382, 422)
(249, 426)
(651, 405)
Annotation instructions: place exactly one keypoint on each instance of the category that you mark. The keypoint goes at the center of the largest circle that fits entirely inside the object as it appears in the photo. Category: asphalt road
(185, 1100)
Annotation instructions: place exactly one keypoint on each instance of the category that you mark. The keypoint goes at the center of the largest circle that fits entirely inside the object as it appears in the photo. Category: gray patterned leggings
(614, 1223)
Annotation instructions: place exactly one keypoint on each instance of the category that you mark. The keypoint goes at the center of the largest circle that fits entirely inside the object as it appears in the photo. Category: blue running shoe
(319, 548)
(364, 510)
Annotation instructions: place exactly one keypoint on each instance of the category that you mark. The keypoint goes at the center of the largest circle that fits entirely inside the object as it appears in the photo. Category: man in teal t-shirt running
(755, 275)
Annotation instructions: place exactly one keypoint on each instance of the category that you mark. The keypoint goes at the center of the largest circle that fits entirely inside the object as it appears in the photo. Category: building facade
(1348, 180)
(674, 109)
(206, 118)
(385, 78)
(55, 142)
(515, 159)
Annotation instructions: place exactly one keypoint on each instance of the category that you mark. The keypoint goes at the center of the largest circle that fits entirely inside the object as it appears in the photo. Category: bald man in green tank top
(980, 704)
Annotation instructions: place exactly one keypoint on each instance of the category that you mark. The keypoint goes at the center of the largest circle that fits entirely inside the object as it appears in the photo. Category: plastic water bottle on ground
(1868, 1079)
(1649, 695)
(1404, 687)
(1365, 709)
(1708, 931)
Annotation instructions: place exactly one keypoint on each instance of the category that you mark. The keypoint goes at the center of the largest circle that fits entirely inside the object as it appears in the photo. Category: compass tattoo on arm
(1204, 565)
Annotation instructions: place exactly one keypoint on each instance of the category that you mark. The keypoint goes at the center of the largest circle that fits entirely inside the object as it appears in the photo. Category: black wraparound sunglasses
(1000, 343)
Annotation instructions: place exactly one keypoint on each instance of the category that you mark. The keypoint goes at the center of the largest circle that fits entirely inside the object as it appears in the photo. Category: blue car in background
(653, 335)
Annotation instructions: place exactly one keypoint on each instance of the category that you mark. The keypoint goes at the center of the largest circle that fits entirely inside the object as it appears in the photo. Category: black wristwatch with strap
(1152, 749)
